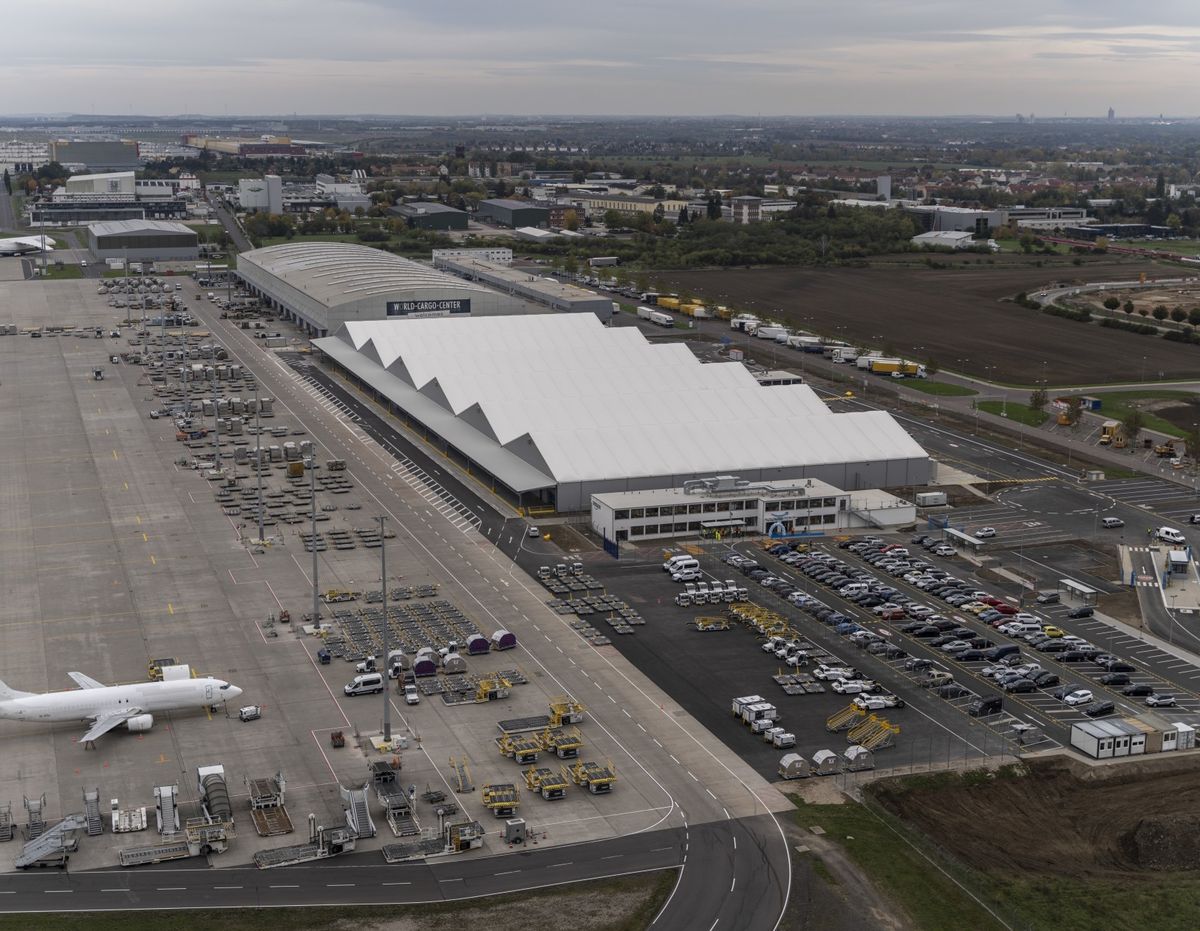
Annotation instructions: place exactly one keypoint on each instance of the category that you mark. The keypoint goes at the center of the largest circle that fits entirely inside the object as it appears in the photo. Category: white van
(670, 564)
(1170, 535)
(370, 683)
(688, 565)
(1110, 523)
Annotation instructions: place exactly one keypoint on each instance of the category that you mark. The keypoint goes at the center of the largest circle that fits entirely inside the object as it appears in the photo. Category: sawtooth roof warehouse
(552, 408)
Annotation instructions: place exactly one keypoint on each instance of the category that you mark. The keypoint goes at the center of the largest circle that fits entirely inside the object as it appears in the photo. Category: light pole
(387, 666)
(312, 471)
(258, 461)
(216, 413)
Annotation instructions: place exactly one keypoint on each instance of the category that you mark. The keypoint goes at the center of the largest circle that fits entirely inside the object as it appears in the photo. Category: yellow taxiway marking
(138, 519)
(126, 484)
(114, 454)
(145, 539)
(153, 561)
(162, 758)
(170, 608)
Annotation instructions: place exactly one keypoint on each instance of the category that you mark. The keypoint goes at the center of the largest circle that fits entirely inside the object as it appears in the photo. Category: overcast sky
(791, 57)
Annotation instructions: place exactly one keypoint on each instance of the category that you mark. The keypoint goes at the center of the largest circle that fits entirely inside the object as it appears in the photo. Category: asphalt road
(8, 217)
(240, 242)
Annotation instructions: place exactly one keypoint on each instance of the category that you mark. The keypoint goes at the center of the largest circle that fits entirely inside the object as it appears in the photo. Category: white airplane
(21, 245)
(109, 706)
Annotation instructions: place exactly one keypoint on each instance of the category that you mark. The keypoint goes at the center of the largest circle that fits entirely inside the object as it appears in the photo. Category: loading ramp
(91, 812)
(52, 846)
(267, 810)
(358, 811)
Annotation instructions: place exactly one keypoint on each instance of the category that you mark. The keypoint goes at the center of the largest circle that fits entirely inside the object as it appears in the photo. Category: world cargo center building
(323, 285)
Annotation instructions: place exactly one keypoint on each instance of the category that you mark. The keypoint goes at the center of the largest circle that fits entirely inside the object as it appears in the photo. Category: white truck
(770, 331)
(844, 354)
(804, 343)
(644, 312)
(740, 321)
(661, 318)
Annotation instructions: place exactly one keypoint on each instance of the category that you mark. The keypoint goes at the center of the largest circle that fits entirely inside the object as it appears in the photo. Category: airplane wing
(107, 722)
(85, 682)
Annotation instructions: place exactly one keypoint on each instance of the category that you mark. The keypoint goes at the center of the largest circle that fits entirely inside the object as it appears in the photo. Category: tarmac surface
(117, 554)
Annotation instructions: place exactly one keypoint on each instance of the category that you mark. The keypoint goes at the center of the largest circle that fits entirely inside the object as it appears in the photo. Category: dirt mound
(1169, 842)
(1043, 819)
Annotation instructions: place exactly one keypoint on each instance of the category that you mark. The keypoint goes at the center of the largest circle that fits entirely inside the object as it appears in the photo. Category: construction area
(134, 503)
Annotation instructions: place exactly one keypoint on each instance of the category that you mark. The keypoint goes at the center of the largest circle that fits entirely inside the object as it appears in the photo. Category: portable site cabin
(858, 759)
(477, 645)
(503, 640)
(826, 763)
(453, 663)
(794, 766)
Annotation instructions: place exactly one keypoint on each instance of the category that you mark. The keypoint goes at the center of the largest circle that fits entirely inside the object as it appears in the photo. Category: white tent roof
(591, 403)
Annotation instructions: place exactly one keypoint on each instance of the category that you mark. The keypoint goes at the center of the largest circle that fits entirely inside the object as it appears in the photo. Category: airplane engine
(143, 722)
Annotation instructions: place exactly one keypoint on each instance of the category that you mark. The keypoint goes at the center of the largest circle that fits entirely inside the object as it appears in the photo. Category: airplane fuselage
(85, 704)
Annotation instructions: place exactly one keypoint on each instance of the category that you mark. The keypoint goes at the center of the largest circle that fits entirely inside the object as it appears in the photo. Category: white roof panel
(602, 403)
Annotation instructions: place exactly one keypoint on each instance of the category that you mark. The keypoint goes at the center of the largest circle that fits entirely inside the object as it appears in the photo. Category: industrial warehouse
(591, 409)
(322, 286)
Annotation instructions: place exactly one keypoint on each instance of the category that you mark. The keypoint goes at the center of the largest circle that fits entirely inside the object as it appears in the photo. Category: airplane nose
(234, 691)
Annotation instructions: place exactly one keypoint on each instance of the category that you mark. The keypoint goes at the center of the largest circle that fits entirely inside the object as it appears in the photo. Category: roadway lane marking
(693, 775)
(172, 888)
(709, 791)
(676, 762)
(658, 849)
(121, 890)
(382, 884)
(51, 891)
(627, 714)
(642, 729)
(732, 884)
(655, 739)
(215, 887)
(507, 873)
(555, 865)
(284, 887)
(735, 842)
(614, 856)
(339, 885)
(455, 879)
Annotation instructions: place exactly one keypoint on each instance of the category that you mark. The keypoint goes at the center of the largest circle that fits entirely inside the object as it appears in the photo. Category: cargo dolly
(552, 785)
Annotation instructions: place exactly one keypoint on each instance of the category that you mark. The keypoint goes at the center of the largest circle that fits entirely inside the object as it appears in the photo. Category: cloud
(569, 56)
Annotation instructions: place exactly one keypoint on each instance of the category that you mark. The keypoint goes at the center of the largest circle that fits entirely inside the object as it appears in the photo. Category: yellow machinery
(521, 748)
(336, 596)
(874, 733)
(565, 710)
(155, 669)
(1109, 432)
(598, 779)
(711, 623)
(565, 742)
(1164, 450)
(492, 689)
(550, 784)
(462, 775)
(502, 798)
(846, 718)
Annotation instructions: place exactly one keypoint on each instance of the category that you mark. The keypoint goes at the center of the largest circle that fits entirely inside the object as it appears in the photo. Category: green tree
(614, 219)
(931, 366)
(570, 264)
(1132, 425)
(1144, 311)
(1111, 303)
(1160, 312)
(1038, 399)
(1074, 408)
(1178, 314)
(7, 183)
(714, 206)
(570, 220)
(1194, 316)
(1191, 443)
(1127, 307)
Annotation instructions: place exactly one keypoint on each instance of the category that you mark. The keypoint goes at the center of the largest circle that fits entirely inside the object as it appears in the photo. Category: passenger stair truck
(1109, 432)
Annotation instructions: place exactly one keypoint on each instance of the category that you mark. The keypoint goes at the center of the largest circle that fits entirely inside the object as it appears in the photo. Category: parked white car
(1078, 697)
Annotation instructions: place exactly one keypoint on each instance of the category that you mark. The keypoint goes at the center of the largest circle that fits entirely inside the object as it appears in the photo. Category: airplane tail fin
(7, 693)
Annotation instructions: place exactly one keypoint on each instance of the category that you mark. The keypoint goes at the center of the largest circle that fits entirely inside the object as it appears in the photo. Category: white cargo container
(661, 318)
(930, 499)
(770, 331)
(644, 312)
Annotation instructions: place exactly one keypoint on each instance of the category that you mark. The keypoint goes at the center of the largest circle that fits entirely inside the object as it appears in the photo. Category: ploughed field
(954, 316)
(1125, 822)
